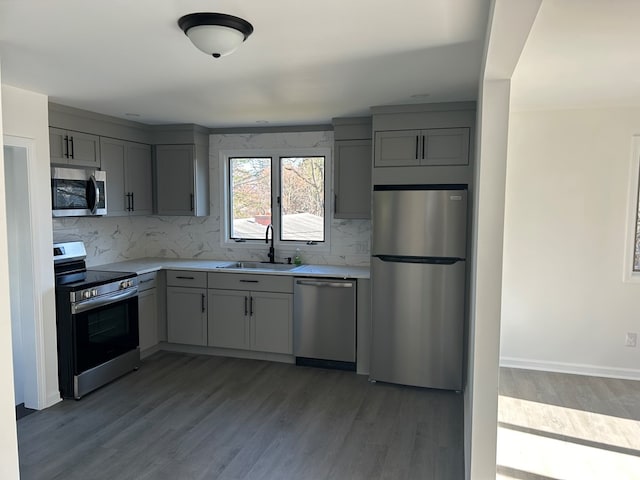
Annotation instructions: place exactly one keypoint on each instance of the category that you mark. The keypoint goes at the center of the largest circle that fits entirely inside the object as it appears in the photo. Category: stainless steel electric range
(97, 322)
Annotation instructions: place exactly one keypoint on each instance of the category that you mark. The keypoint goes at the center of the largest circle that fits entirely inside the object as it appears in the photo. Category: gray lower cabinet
(352, 178)
(129, 177)
(186, 307)
(246, 320)
(271, 326)
(67, 147)
(251, 312)
(228, 319)
(429, 147)
(147, 310)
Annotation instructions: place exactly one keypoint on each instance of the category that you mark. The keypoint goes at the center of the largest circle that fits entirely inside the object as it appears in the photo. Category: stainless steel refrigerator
(418, 275)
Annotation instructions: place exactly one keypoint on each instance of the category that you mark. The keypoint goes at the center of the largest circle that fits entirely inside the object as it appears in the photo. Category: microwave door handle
(93, 195)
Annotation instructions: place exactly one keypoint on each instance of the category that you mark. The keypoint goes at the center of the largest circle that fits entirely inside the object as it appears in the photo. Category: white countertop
(146, 265)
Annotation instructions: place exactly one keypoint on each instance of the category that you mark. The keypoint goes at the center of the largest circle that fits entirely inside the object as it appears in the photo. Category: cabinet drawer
(147, 281)
(186, 278)
(255, 283)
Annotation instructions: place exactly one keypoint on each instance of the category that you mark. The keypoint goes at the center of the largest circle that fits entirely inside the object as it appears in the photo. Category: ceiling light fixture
(215, 34)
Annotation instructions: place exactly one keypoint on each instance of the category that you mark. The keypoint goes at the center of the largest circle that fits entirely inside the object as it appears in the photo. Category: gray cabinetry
(229, 319)
(130, 177)
(436, 146)
(67, 147)
(182, 178)
(352, 167)
(187, 307)
(147, 311)
(251, 312)
(423, 143)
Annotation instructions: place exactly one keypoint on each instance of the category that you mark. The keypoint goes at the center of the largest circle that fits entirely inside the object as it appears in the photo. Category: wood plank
(203, 417)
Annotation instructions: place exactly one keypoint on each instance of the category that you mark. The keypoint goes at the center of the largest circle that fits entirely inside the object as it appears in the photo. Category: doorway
(18, 153)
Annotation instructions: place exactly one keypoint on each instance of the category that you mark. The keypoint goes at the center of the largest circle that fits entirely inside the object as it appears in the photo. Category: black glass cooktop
(90, 278)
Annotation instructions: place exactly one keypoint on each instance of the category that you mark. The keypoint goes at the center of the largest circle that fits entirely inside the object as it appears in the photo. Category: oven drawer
(186, 278)
(147, 281)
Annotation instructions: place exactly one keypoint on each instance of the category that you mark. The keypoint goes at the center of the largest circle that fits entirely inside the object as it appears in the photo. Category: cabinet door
(446, 146)
(57, 146)
(148, 318)
(138, 179)
(271, 322)
(113, 159)
(397, 148)
(84, 149)
(175, 179)
(229, 319)
(352, 179)
(187, 315)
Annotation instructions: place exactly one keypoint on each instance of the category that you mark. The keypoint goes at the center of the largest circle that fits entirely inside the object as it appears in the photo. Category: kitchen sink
(279, 267)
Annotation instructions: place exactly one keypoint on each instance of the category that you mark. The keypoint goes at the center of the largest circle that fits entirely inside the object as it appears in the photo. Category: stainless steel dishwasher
(324, 325)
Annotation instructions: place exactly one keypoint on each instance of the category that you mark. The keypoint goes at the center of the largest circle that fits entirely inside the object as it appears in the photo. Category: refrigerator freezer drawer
(418, 323)
(420, 223)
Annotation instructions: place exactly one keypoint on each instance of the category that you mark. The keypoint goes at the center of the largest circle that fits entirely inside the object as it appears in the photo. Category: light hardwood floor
(560, 426)
(186, 417)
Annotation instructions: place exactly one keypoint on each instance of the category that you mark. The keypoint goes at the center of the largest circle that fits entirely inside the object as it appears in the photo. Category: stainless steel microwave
(78, 192)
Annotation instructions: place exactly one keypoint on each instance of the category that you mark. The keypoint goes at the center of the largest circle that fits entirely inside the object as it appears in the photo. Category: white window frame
(284, 248)
(633, 195)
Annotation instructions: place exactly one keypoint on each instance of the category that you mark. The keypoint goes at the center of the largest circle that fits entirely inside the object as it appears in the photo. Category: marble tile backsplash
(115, 239)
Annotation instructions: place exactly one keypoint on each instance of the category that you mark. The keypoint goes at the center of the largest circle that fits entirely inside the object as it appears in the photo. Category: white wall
(8, 437)
(509, 25)
(565, 305)
(25, 114)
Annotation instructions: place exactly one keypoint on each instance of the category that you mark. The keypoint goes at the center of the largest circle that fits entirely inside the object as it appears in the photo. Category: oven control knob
(94, 292)
(123, 284)
(86, 294)
(130, 283)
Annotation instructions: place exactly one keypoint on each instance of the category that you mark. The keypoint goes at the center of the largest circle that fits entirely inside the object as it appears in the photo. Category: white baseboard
(574, 368)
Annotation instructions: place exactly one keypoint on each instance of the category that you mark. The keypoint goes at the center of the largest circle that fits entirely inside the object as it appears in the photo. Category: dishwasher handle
(312, 283)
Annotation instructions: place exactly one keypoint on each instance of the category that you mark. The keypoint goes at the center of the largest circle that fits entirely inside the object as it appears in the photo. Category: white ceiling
(305, 63)
(580, 54)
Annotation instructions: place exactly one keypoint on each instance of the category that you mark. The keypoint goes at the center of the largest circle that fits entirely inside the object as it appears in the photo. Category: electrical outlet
(631, 340)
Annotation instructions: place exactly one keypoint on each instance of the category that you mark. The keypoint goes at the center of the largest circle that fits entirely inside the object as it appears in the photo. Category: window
(302, 198)
(631, 262)
(283, 189)
(250, 199)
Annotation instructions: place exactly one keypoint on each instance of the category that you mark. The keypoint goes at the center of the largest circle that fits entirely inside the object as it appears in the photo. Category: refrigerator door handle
(429, 260)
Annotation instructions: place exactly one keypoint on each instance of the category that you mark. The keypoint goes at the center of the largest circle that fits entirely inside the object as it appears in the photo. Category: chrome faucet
(272, 251)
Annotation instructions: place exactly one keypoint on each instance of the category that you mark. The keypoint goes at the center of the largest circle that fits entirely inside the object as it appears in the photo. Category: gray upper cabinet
(129, 177)
(67, 147)
(181, 180)
(431, 147)
(352, 167)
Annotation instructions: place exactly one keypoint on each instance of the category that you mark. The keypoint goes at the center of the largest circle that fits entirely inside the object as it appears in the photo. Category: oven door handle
(108, 299)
